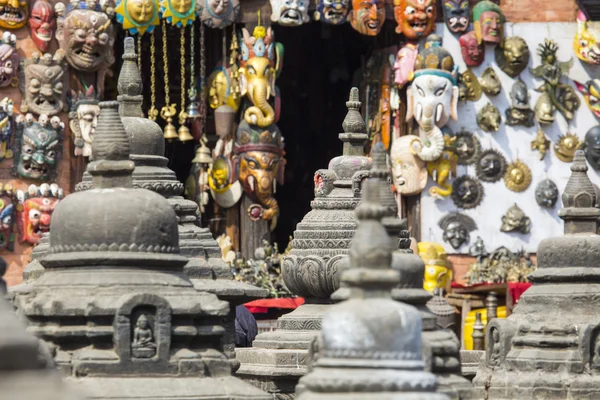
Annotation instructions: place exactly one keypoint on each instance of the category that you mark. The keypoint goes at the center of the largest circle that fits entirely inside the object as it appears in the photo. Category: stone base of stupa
(278, 359)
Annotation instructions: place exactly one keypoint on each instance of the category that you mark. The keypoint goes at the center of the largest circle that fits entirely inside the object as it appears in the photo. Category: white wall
(514, 142)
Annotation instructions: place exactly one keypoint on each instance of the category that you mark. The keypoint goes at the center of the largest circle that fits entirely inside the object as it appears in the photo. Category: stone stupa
(369, 347)
(278, 359)
(122, 318)
(205, 267)
(549, 347)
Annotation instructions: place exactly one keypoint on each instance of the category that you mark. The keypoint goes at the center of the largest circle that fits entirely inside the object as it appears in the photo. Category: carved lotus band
(125, 247)
(334, 205)
(312, 276)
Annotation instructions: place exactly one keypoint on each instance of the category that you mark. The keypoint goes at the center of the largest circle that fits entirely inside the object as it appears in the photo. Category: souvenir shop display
(42, 24)
(467, 147)
(408, 170)
(490, 166)
(415, 18)
(587, 41)
(512, 55)
(546, 193)
(591, 94)
(566, 146)
(472, 51)
(334, 12)
(457, 228)
(490, 83)
(541, 143)
(592, 147)
(489, 118)
(367, 17)
(515, 220)
(520, 112)
(517, 177)
(488, 22)
(34, 211)
(467, 192)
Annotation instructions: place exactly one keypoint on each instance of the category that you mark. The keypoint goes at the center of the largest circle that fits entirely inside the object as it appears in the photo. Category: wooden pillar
(252, 233)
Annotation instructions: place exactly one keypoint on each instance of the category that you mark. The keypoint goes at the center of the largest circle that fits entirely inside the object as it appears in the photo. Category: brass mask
(490, 83)
(519, 113)
(491, 166)
(488, 118)
(546, 193)
(512, 55)
(541, 143)
(467, 192)
(457, 228)
(467, 147)
(544, 110)
(469, 88)
(515, 220)
(517, 177)
(566, 146)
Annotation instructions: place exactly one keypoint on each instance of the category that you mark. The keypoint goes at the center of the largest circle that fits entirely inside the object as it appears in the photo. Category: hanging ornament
(152, 112)
(168, 111)
(234, 74)
(197, 182)
(193, 110)
(517, 177)
(179, 13)
(491, 166)
(566, 146)
(468, 147)
(467, 192)
(138, 16)
(183, 133)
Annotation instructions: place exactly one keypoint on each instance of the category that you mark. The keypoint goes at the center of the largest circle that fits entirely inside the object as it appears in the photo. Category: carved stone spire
(130, 83)
(549, 347)
(369, 346)
(354, 135)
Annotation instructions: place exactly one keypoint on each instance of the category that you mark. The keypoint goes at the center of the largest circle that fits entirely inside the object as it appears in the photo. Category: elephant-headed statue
(260, 66)
(258, 164)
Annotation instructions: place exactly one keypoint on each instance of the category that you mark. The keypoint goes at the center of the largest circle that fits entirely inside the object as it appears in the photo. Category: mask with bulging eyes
(457, 15)
(34, 212)
(289, 12)
(332, 12)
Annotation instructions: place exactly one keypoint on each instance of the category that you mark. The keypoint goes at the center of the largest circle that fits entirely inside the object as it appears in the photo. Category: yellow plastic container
(470, 321)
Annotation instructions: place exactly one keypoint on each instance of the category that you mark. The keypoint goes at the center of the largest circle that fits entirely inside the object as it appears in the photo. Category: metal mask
(367, 16)
(544, 109)
(457, 15)
(219, 92)
(332, 12)
(566, 146)
(457, 228)
(469, 88)
(7, 218)
(491, 166)
(6, 128)
(415, 18)
(404, 66)
(408, 170)
(490, 83)
(515, 220)
(517, 177)
(138, 16)
(35, 209)
(519, 113)
(220, 13)
(37, 147)
(587, 42)
(473, 52)
(442, 169)
(83, 120)
(289, 12)
(512, 55)
(546, 193)
(13, 14)
(467, 147)
(592, 147)
(179, 12)
(591, 94)
(541, 143)
(489, 118)
(9, 60)
(45, 84)
(42, 24)
(488, 22)
(467, 192)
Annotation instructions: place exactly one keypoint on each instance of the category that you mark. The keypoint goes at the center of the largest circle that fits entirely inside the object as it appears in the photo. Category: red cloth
(517, 289)
(263, 305)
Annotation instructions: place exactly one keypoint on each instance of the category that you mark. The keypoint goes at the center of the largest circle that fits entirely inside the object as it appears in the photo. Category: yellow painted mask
(443, 169)
(587, 41)
(179, 12)
(219, 92)
(17, 17)
(138, 16)
(438, 271)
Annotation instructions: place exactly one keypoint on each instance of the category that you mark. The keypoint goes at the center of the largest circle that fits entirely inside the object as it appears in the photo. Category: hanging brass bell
(193, 110)
(184, 133)
(170, 132)
(203, 155)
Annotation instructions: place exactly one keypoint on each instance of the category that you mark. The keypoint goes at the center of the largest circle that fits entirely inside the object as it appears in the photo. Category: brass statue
(518, 176)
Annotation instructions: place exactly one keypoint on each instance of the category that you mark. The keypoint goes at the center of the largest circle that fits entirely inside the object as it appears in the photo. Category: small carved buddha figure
(142, 335)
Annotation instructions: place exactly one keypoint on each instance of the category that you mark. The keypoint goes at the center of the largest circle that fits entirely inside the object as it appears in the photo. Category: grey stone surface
(549, 348)
(469, 361)
(370, 345)
(118, 312)
(311, 270)
(441, 347)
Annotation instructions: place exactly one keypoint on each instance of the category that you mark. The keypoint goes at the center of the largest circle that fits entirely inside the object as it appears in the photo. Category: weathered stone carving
(547, 347)
(45, 90)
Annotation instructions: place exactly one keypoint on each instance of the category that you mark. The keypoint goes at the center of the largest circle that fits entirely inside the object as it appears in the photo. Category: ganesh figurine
(591, 93)
(457, 15)
(404, 65)
(289, 12)
(83, 119)
(6, 128)
(587, 41)
(45, 84)
(9, 60)
(14, 13)
(7, 218)
(37, 147)
(88, 38)
(34, 211)
(415, 18)
(42, 24)
(473, 51)
(438, 270)
(432, 97)
(138, 16)
(488, 22)
(334, 12)
(220, 13)
(367, 17)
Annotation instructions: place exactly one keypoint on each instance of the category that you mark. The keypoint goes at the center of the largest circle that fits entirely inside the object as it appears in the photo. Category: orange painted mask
(367, 16)
(415, 18)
